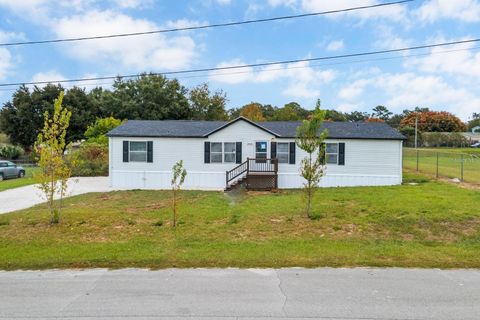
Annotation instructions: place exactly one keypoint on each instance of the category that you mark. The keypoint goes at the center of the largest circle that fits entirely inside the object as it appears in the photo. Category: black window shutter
(125, 151)
(291, 159)
(207, 152)
(322, 153)
(341, 154)
(238, 152)
(273, 150)
(149, 151)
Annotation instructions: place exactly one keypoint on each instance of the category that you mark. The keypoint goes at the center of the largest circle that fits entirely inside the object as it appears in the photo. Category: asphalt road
(241, 294)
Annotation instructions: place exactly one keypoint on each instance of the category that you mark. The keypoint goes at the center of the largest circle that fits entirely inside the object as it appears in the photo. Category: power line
(253, 65)
(329, 64)
(207, 26)
(288, 67)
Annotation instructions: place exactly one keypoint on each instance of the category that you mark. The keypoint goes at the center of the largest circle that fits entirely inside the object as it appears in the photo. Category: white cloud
(353, 90)
(463, 10)
(6, 59)
(464, 63)
(403, 90)
(157, 52)
(409, 89)
(133, 4)
(51, 75)
(387, 39)
(335, 45)
(301, 79)
(224, 2)
(393, 12)
(6, 62)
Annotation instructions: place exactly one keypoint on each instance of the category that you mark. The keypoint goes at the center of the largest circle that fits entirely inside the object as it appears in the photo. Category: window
(331, 153)
(3, 165)
(283, 152)
(138, 151)
(229, 152)
(261, 150)
(216, 152)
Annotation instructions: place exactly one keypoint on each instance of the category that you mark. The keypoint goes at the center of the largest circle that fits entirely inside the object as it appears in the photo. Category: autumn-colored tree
(374, 120)
(49, 147)
(253, 112)
(434, 121)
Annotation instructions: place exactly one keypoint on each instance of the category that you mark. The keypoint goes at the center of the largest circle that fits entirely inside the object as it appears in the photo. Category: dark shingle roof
(281, 129)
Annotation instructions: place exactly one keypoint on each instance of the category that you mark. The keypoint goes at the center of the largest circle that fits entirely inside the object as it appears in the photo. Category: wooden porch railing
(252, 166)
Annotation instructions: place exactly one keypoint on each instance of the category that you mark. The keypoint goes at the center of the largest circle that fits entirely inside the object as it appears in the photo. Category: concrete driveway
(28, 196)
(241, 294)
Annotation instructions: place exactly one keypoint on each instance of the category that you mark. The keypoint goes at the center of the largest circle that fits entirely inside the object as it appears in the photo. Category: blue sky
(437, 79)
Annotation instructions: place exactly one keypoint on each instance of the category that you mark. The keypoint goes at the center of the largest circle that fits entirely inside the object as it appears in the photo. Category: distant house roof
(280, 129)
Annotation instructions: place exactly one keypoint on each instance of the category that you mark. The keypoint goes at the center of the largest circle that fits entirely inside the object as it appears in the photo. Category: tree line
(154, 97)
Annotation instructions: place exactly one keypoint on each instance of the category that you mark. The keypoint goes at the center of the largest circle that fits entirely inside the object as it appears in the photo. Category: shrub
(96, 133)
(91, 160)
(11, 152)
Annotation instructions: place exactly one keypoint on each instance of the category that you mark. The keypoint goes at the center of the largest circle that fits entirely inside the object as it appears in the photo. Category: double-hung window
(331, 153)
(283, 152)
(229, 152)
(216, 153)
(138, 151)
(261, 149)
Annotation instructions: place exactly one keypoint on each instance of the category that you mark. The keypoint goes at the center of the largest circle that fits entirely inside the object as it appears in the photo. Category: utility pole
(416, 129)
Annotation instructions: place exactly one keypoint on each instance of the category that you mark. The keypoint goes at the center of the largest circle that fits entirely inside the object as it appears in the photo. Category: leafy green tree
(268, 111)
(301, 112)
(49, 147)
(22, 118)
(97, 132)
(84, 112)
(312, 168)
(207, 106)
(290, 112)
(334, 115)
(381, 112)
(357, 116)
(148, 97)
(178, 177)
(474, 122)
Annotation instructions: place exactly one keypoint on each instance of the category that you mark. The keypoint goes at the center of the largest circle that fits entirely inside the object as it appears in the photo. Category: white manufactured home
(218, 154)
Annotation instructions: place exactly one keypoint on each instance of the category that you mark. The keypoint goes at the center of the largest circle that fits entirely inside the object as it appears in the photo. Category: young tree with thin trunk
(312, 167)
(49, 147)
(179, 174)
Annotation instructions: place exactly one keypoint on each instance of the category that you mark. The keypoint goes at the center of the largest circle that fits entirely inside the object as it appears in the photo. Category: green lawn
(428, 224)
(449, 162)
(15, 183)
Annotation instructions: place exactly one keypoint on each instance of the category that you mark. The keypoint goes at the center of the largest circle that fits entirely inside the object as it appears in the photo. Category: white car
(475, 145)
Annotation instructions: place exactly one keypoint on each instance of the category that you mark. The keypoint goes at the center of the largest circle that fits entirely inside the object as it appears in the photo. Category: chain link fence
(462, 166)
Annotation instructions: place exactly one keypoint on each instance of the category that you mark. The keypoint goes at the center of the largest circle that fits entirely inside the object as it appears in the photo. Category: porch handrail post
(226, 179)
(248, 165)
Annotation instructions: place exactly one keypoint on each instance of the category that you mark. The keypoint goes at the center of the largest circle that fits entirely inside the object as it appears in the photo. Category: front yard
(430, 224)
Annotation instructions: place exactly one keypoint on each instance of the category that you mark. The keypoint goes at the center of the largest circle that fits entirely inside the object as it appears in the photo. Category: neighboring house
(215, 154)
(472, 137)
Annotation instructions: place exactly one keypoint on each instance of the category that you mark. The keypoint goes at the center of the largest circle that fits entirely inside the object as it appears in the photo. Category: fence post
(437, 165)
(462, 168)
(417, 160)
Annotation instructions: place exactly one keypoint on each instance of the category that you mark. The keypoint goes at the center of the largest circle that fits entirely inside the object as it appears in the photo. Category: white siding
(367, 162)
